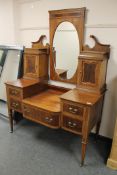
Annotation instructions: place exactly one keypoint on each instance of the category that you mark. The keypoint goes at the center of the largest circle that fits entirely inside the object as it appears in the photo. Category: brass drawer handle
(73, 110)
(14, 104)
(48, 119)
(14, 92)
(72, 125)
(70, 108)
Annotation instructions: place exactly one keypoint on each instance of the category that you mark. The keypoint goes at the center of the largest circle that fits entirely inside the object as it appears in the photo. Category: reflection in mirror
(66, 44)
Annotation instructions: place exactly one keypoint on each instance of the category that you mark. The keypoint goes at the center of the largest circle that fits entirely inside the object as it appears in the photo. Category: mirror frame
(56, 17)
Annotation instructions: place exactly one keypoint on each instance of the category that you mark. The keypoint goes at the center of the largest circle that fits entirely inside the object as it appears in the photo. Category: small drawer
(77, 110)
(50, 119)
(16, 105)
(72, 124)
(15, 92)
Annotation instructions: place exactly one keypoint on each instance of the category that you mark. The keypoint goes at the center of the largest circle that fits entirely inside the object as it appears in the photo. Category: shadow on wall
(110, 102)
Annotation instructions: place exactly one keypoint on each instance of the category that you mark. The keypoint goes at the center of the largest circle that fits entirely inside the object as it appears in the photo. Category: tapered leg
(100, 108)
(83, 151)
(11, 120)
(97, 129)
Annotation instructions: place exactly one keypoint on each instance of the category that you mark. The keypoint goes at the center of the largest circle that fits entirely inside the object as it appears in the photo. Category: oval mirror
(66, 44)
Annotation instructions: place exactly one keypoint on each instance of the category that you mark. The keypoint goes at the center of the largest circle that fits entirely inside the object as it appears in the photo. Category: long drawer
(41, 116)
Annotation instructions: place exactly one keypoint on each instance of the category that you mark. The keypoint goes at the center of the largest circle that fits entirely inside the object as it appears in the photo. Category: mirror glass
(11, 69)
(66, 44)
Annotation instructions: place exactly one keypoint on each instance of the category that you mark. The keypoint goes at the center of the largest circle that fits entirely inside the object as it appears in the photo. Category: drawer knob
(14, 104)
(70, 108)
(73, 110)
(14, 92)
(48, 119)
(72, 125)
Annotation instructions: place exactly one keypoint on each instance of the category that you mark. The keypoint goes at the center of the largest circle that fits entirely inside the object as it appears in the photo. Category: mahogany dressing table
(76, 104)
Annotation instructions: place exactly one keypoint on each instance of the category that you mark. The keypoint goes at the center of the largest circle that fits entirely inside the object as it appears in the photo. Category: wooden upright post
(112, 160)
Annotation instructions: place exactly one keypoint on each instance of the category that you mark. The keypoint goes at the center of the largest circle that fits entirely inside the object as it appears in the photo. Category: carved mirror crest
(66, 42)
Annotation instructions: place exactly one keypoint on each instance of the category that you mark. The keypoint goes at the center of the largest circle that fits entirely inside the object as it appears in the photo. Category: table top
(48, 100)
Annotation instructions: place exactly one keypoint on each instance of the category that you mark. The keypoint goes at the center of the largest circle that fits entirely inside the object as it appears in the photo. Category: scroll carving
(39, 44)
(99, 47)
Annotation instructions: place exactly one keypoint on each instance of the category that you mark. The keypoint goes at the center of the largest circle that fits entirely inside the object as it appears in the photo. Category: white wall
(32, 20)
(6, 22)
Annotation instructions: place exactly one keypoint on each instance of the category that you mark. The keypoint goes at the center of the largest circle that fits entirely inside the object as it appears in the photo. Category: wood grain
(48, 100)
(74, 16)
(75, 110)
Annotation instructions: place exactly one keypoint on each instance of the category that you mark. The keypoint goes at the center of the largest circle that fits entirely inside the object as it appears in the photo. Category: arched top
(77, 18)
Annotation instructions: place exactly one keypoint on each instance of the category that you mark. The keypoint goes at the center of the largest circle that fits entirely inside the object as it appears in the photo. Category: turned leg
(11, 119)
(83, 151)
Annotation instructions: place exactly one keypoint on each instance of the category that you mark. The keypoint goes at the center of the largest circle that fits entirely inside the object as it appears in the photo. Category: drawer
(16, 105)
(72, 124)
(73, 109)
(50, 119)
(40, 116)
(15, 92)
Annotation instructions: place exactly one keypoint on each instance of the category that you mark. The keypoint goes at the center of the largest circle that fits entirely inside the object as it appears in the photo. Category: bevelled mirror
(66, 42)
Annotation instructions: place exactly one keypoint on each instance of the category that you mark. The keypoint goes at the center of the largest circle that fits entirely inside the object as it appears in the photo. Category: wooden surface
(38, 115)
(81, 111)
(92, 67)
(48, 100)
(22, 83)
(36, 60)
(112, 160)
(32, 68)
(74, 16)
(81, 97)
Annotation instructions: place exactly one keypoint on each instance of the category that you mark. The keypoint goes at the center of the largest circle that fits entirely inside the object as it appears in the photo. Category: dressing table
(72, 101)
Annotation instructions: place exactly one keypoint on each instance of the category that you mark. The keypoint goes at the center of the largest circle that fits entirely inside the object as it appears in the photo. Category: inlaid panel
(30, 66)
(89, 72)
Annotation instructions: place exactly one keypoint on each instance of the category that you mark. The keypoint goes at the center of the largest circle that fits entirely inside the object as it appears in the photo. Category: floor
(34, 149)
